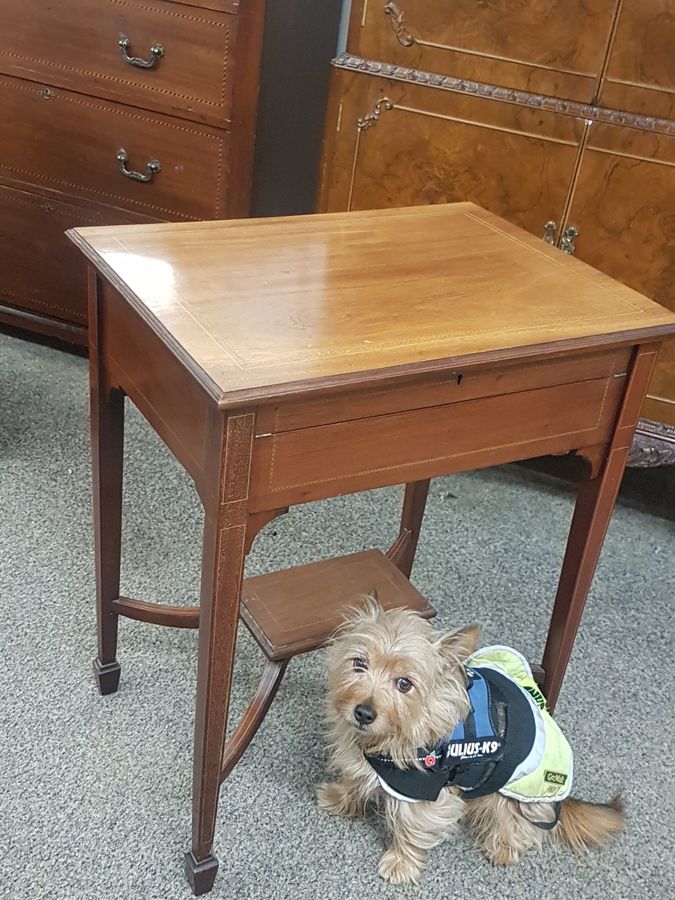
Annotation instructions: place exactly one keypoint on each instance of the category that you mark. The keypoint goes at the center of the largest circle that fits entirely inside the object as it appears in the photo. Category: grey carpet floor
(95, 792)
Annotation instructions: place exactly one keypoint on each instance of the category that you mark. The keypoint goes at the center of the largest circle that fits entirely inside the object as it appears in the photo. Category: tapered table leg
(402, 552)
(107, 446)
(592, 513)
(222, 571)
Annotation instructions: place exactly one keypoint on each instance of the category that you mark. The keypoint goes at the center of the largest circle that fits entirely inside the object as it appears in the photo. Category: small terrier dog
(438, 731)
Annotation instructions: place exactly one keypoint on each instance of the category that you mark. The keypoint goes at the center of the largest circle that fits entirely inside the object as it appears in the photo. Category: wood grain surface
(65, 142)
(623, 207)
(273, 307)
(298, 609)
(546, 46)
(40, 269)
(641, 69)
(422, 146)
(192, 79)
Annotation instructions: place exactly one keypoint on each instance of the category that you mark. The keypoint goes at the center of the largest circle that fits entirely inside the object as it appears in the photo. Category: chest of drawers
(119, 111)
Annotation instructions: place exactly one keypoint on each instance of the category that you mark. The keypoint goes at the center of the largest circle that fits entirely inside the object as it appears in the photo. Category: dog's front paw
(502, 855)
(336, 800)
(398, 869)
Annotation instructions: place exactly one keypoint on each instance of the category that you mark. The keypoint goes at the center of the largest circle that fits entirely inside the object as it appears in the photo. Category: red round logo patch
(430, 760)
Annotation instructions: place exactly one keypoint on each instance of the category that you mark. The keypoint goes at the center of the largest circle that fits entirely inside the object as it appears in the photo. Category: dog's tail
(583, 825)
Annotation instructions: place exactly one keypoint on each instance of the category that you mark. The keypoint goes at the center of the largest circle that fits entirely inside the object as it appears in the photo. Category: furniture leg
(402, 552)
(222, 572)
(107, 447)
(252, 719)
(592, 513)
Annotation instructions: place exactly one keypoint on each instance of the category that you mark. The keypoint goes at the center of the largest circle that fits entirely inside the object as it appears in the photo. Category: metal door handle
(156, 53)
(550, 231)
(151, 168)
(567, 244)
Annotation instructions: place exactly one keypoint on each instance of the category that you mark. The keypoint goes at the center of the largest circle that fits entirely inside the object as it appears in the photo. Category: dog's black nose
(364, 714)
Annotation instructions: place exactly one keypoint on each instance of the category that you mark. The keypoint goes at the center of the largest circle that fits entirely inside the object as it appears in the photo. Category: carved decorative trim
(397, 16)
(373, 116)
(653, 445)
(506, 95)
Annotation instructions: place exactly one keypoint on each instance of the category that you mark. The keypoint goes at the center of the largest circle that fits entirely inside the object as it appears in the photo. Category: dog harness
(508, 743)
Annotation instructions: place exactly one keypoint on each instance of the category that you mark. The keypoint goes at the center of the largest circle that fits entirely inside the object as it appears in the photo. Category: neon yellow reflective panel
(547, 772)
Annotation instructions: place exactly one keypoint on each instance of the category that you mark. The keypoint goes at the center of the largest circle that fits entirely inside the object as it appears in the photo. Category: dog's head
(395, 682)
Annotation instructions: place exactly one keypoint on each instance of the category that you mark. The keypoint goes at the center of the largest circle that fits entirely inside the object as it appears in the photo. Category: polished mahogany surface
(262, 305)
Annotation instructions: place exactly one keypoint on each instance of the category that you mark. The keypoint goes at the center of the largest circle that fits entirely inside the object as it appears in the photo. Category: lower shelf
(297, 610)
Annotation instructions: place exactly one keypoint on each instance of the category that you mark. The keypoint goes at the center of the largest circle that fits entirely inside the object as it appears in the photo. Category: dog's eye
(360, 665)
(404, 685)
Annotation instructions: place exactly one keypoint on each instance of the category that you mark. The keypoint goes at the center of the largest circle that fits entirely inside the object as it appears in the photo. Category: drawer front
(454, 387)
(231, 6)
(544, 46)
(65, 142)
(298, 466)
(40, 269)
(191, 72)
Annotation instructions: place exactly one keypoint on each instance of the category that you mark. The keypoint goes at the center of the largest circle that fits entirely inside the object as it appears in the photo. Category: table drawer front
(40, 269)
(453, 387)
(191, 77)
(66, 142)
(298, 466)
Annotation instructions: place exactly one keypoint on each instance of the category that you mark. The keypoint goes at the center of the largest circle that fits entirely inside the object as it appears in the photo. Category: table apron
(324, 461)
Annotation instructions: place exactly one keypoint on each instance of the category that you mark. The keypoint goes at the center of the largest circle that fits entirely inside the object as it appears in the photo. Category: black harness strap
(545, 826)
(514, 711)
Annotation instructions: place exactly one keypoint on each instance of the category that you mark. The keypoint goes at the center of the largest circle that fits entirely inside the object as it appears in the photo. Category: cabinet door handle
(151, 168)
(567, 243)
(397, 17)
(550, 232)
(156, 53)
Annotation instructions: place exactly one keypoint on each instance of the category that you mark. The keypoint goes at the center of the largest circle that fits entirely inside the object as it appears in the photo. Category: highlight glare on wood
(269, 307)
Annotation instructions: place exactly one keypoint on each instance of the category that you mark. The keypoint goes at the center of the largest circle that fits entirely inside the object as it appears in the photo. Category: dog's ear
(457, 646)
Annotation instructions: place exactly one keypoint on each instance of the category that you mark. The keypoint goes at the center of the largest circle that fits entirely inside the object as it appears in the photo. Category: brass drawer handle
(567, 244)
(156, 53)
(150, 170)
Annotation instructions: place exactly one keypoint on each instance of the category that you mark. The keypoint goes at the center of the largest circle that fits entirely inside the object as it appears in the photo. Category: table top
(268, 307)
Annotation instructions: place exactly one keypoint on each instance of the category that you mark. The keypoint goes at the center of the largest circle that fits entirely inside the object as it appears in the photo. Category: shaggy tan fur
(369, 656)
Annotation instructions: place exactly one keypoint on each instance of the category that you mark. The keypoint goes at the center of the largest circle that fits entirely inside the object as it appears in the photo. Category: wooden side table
(285, 361)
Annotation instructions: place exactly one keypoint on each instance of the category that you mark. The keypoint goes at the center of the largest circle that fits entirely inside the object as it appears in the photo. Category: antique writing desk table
(284, 361)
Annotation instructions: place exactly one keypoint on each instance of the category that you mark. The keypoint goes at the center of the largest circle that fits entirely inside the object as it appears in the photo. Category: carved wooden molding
(507, 95)
(653, 445)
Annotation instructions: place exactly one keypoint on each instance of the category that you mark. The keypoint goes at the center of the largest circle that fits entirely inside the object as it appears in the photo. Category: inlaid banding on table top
(274, 303)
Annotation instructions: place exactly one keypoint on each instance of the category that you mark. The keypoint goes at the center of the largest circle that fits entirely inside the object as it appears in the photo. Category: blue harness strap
(479, 696)
(478, 725)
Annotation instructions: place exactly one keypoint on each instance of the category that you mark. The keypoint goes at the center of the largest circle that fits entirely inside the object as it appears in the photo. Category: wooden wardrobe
(556, 114)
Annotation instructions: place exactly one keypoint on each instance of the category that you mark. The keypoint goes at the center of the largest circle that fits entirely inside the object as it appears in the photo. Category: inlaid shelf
(292, 612)
(297, 610)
